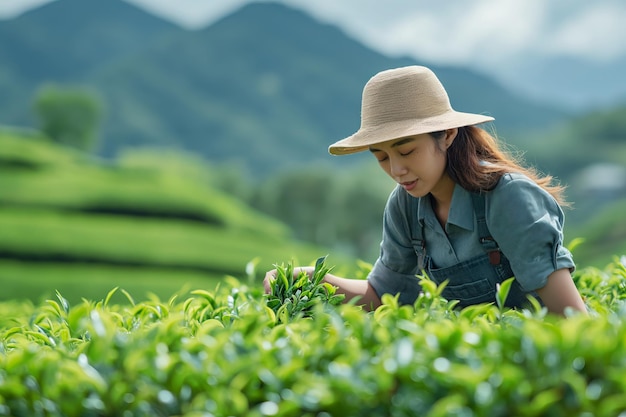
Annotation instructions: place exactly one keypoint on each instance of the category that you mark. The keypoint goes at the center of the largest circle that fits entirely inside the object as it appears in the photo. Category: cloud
(453, 32)
(597, 31)
(481, 33)
(12, 8)
(190, 13)
(477, 31)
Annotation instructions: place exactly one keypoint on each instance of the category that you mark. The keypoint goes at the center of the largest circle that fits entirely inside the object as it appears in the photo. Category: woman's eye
(406, 153)
(380, 156)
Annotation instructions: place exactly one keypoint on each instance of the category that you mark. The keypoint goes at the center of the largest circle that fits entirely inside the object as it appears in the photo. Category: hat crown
(403, 102)
(408, 93)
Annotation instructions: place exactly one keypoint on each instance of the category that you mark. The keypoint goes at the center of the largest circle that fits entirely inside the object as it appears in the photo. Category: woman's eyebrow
(395, 144)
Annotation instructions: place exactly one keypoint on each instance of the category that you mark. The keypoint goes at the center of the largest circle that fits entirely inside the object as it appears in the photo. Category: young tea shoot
(295, 295)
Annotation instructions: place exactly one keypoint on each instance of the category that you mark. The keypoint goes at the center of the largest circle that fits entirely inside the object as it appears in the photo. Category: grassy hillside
(73, 224)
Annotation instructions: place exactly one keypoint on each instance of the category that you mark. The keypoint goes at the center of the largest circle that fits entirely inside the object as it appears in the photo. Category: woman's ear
(450, 136)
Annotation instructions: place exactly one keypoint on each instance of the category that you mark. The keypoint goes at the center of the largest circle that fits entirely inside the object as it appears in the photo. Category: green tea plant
(293, 296)
(226, 352)
(604, 290)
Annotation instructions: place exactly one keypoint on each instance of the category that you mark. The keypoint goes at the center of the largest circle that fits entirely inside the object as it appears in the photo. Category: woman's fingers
(270, 275)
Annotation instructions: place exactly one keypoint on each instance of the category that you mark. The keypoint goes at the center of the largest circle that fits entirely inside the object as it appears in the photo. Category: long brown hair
(477, 162)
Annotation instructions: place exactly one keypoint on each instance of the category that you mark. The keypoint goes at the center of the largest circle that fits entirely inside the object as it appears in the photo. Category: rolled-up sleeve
(396, 267)
(527, 223)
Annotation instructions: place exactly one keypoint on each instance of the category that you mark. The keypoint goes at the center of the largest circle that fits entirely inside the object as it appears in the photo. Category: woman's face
(417, 163)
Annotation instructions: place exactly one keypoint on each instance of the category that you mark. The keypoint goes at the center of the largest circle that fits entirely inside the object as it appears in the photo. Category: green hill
(76, 224)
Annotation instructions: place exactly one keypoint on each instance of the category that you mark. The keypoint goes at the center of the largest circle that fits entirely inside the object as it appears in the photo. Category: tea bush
(226, 352)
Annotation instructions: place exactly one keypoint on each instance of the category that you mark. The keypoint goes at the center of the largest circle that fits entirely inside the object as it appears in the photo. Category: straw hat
(403, 102)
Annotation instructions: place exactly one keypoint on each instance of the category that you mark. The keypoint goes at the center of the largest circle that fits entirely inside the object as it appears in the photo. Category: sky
(481, 32)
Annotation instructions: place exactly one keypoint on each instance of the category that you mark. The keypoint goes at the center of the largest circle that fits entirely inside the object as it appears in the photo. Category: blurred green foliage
(339, 209)
(604, 235)
(69, 116)
(565, 150)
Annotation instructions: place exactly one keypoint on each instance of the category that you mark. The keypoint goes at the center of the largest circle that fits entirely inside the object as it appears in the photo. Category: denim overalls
(473, 281)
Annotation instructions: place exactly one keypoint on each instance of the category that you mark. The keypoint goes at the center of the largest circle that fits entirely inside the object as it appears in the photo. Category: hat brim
(366, 137)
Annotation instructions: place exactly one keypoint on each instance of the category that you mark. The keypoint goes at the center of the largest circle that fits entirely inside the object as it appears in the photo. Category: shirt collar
(461, 209)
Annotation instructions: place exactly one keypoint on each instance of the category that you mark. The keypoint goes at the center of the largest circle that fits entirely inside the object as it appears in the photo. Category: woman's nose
(397, 167)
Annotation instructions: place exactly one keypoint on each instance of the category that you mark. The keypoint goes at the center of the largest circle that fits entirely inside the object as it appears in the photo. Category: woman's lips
(409, 185)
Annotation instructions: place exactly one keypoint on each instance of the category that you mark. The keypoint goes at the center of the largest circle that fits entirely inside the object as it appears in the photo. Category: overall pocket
(471, 282)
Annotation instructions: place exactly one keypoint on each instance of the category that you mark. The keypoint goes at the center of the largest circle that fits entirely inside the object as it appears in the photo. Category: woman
(463, 210)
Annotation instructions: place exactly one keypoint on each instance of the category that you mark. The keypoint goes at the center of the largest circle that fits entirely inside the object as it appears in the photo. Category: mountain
(267, 86)
(576, 83)
(67, 39)
(64, 42)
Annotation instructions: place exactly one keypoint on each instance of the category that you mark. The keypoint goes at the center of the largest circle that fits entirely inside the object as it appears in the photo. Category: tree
(339, 210)
(69, 116)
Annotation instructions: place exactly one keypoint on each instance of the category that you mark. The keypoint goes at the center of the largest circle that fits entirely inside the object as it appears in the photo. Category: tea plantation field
(233, 351)
(150, 222)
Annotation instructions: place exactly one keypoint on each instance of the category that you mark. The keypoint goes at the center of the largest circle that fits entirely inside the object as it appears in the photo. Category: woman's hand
(351, 288)
(269, 275)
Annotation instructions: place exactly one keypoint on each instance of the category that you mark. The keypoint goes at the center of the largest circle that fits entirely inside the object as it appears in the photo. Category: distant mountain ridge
(579, 84)
(267, 86)
(67, 47)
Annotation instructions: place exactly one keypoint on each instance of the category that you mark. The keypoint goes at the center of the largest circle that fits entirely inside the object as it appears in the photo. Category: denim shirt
(525, 221)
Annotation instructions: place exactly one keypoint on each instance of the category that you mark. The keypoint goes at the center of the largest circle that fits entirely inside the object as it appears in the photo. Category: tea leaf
(502, 292)
(109, 295)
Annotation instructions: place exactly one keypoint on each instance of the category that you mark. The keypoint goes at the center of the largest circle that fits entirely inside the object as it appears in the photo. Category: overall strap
(486, 240)
(419, 241)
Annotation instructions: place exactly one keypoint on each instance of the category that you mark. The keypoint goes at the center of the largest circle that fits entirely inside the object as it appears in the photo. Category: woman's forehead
(394, 143)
